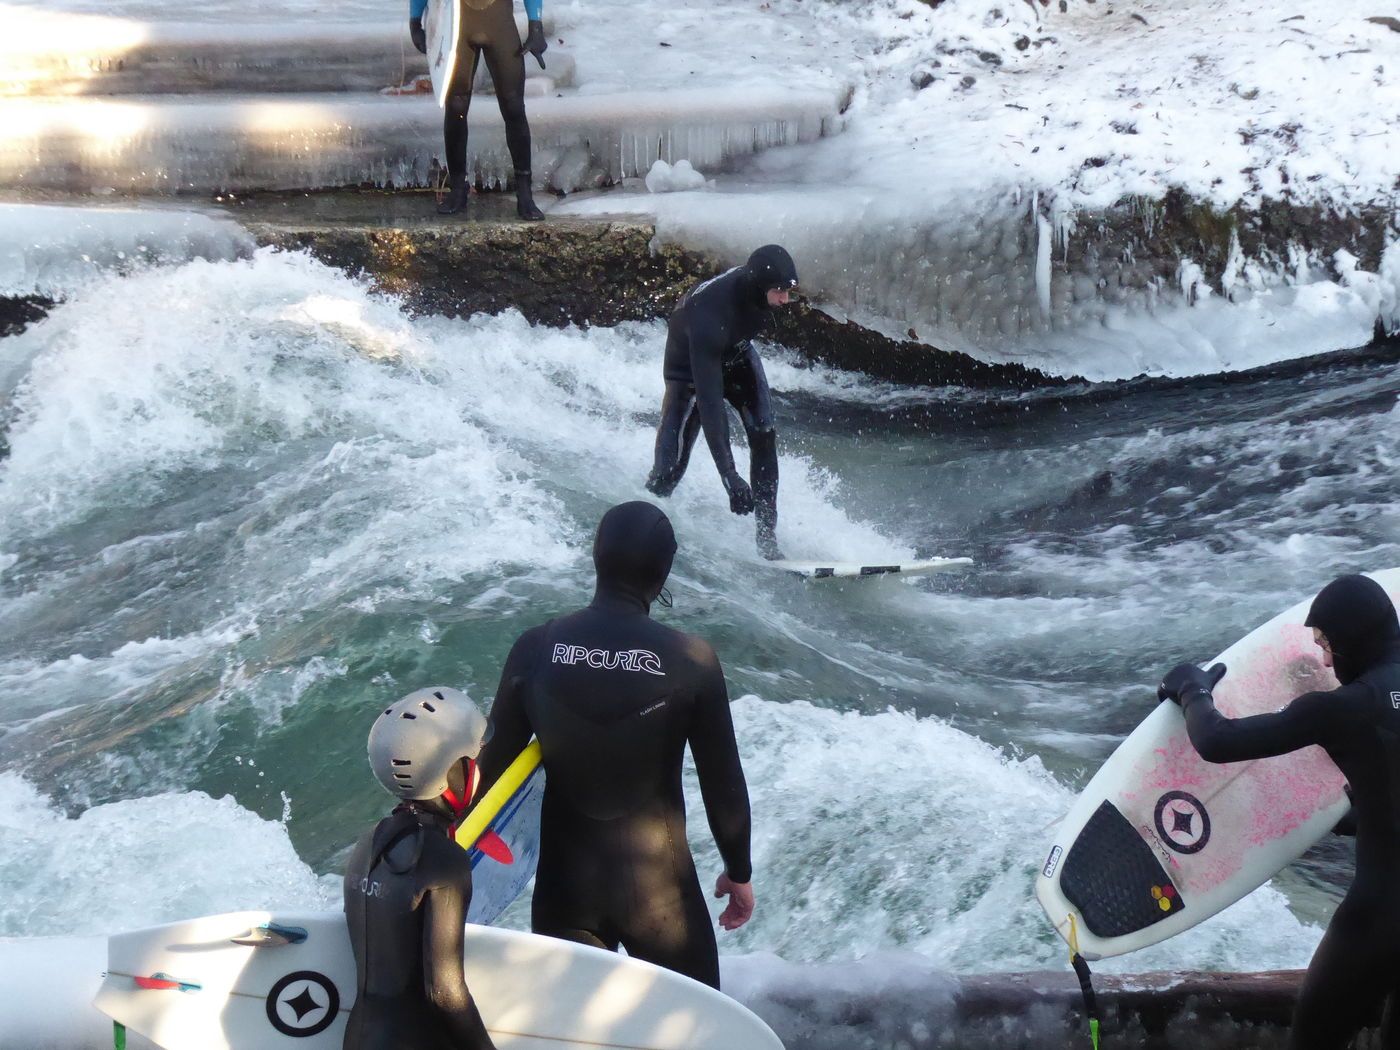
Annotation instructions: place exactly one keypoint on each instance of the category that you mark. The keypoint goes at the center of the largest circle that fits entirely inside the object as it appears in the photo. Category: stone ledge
(565, 271)
(181, 144)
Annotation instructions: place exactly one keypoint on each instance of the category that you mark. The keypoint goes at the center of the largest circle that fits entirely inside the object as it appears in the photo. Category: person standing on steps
(408, 883)
(710, 359)
(487, 29)
(1357, 965)
(614, 698)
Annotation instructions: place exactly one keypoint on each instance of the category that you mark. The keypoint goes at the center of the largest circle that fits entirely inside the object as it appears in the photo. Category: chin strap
(1086, 982)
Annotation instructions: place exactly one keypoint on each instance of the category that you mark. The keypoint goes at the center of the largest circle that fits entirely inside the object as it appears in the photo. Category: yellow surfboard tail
(489, 806)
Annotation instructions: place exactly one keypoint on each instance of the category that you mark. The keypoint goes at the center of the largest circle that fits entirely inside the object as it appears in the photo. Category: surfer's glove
(420, 38)
(535, 43)
(1184, 680)
(740, 495)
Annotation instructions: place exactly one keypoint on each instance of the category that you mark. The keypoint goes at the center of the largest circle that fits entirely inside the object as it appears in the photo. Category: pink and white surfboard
(1160, 839)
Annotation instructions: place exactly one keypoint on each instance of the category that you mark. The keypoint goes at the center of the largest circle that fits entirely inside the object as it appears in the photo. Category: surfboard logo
(303, 1004)
(641, 661)
(1051, 862)
(1182, 822)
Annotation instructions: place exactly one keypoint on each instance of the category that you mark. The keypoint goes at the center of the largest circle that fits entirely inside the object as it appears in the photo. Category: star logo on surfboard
(1182, 822)
(302, 1004)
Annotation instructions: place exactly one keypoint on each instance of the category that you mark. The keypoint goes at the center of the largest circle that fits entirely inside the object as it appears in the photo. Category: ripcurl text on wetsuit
(614, 698)
(407, 888)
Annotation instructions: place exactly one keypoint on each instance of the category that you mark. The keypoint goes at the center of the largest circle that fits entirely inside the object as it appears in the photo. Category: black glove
(1184, 679)
(535, 43)
(740, 495)
(420, 38)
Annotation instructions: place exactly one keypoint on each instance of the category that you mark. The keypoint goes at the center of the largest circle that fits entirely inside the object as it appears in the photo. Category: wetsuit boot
(525, 205)
(763, 448)
(459, 189)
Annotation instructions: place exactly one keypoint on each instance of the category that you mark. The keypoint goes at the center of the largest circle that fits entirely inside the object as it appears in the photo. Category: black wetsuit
(1358, 962)
(614, 698)
(710, 359)
(407, 887)
(488, 31)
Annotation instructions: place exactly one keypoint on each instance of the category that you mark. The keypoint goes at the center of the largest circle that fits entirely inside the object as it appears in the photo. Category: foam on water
(140, 862)
(245, 500)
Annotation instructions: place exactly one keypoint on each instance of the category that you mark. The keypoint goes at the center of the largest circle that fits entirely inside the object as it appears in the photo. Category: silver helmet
(418, 739)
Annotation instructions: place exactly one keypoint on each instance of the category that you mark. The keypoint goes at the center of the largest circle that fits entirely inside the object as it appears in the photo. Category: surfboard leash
(1086, 982)
(118, 1036)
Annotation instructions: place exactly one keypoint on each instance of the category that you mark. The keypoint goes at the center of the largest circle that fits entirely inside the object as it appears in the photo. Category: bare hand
(741, 902)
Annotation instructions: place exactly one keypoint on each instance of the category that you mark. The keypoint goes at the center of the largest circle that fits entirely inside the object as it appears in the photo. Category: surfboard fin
(270, 935)
(158, 982)
(493, 846)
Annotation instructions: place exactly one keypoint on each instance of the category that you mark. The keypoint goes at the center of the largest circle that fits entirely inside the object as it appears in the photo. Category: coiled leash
(1086, 982)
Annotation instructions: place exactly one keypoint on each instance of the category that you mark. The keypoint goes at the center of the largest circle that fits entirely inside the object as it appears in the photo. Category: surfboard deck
(850, 570)
(1160, 839)
(535, 993)
(443, 28)
(511, 809)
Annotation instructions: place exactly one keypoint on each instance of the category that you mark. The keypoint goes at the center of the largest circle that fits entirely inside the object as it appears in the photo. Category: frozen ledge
(895, 1001)
(172, 144)
(48, 53)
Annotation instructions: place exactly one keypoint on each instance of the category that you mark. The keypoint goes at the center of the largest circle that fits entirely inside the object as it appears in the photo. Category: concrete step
(64, 54)
(179, 144)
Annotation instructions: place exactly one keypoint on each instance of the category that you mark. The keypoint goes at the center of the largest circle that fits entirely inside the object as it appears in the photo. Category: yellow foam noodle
(491, 803)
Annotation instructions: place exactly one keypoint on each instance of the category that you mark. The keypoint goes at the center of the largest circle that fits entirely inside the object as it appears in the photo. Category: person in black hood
(710, 359)
(614, 698)
(1357, 965)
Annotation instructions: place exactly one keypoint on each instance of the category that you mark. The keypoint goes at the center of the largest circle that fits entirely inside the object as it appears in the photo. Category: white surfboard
(848, 570)
(261, 980)
(1160, 839)
(443, 29)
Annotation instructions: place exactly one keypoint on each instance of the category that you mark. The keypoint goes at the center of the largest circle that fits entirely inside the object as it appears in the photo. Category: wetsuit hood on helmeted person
(1359, 621)
(770, 267)
(632, 551)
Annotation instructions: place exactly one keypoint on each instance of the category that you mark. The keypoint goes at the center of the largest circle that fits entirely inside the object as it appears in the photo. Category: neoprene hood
(633, 550)
(771, 267)
(1359, 620)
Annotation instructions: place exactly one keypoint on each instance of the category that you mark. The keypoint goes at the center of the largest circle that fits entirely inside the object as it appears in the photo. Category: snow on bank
(51, 250)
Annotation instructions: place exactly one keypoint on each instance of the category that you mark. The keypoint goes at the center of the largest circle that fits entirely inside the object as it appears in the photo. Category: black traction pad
(1115, 880)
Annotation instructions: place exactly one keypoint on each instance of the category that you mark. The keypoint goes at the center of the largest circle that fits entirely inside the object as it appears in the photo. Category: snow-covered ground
(1226, 98)
(978, 133)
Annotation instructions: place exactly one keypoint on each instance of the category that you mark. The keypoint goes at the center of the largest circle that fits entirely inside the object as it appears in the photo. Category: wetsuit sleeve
(721, 775)
(707, 347)
(445, 983)
(510, 723)
(1310, 719)
(416, 8)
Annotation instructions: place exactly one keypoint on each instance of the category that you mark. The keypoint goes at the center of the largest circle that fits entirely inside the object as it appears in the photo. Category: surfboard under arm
(486, 810)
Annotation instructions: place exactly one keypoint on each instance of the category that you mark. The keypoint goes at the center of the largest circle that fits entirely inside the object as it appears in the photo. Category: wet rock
(570, 271)
(19, 312)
